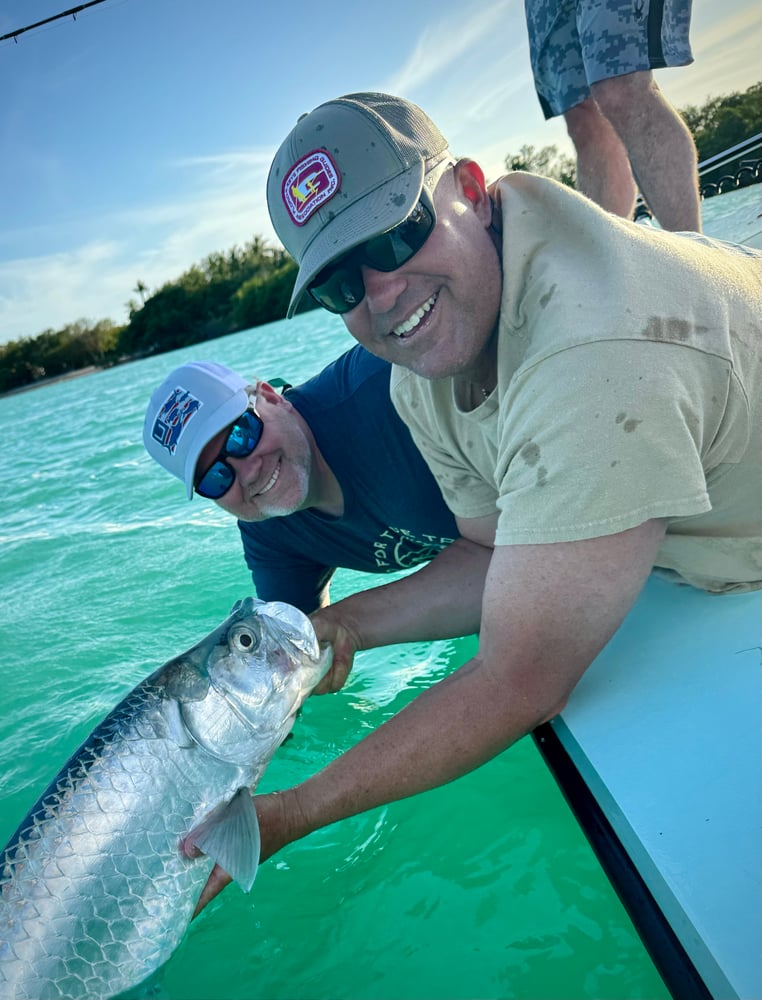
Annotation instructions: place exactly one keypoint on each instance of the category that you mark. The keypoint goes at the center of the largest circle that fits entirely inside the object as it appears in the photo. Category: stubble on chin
(296, 499)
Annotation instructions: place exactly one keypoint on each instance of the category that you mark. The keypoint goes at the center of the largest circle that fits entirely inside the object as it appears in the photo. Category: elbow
(541, 704)
(550, 713)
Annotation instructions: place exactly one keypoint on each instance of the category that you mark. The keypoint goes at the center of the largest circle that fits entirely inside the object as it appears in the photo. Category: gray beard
(302, 473)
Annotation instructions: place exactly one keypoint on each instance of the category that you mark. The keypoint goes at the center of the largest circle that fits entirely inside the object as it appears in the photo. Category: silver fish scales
(95, 893)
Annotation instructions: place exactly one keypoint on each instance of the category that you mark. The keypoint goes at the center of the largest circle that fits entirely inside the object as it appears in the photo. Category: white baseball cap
(195, 402)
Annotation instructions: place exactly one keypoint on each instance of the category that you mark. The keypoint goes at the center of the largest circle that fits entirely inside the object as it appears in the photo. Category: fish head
(268, 649)
(244, 683)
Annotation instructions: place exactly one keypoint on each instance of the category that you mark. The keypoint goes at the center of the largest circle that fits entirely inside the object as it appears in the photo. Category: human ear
(270, 395)
(469, 179)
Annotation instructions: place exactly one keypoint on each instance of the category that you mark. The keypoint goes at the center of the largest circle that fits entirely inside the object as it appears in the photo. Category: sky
(135, 139)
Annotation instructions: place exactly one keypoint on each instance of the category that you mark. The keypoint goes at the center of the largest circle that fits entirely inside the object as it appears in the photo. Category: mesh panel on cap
(407, 120)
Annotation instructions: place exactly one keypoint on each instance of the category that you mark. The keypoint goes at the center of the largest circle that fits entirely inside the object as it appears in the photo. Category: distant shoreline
(49, 381)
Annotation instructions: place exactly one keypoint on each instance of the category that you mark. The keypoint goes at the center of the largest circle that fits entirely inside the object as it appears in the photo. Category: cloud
(729, 34)
(223, 205)
(469, 69)
(726, 59)
(43, 292)
(444, 44)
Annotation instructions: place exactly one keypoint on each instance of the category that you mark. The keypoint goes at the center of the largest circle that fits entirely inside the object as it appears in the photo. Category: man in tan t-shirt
(587, 393)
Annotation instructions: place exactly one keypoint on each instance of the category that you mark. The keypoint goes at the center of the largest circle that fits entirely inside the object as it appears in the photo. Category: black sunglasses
(339, 286)
(243, 437)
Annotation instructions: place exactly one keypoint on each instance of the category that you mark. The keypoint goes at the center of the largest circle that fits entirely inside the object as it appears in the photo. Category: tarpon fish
(95, 892)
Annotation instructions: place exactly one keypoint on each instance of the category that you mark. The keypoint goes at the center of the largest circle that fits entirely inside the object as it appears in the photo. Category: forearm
(439, 601)
(548, 611)
(450, 729)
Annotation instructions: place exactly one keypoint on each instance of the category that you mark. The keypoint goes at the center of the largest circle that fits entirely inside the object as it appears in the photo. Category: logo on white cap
(311, 182)
(173, 417)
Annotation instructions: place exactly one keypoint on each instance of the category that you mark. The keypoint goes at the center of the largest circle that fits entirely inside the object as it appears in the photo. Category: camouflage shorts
(574, 43)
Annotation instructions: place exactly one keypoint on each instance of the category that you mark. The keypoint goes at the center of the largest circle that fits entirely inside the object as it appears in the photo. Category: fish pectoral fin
(229, 834)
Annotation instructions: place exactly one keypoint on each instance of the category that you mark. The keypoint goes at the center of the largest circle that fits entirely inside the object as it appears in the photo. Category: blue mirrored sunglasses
(243, 437)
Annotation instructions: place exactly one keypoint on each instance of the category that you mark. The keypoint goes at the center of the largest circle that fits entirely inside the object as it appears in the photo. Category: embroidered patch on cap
(173, 417)
(312, 181)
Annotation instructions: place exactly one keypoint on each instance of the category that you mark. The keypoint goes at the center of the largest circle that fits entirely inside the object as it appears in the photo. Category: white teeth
(412, 321)
(271, 481)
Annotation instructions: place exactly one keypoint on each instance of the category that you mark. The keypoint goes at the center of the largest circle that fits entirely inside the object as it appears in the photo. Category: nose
(382, 288)
(244, 466)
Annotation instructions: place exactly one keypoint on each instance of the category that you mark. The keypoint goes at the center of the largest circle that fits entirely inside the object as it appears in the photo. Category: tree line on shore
(248, 286)
(226, 292)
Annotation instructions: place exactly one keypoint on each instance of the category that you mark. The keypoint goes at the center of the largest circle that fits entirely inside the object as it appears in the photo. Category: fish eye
(244, 640)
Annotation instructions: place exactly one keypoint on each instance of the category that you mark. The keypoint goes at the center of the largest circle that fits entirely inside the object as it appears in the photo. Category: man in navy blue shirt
(325, 475)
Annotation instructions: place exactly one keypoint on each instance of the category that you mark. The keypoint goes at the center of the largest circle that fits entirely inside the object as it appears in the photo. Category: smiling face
(437, 314)
(276, 479)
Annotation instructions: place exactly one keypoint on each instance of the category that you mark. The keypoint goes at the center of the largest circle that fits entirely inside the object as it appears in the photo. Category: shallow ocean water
(485, 888)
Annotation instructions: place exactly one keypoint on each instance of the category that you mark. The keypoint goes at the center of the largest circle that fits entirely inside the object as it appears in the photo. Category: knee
(584, 123)
(625, 97)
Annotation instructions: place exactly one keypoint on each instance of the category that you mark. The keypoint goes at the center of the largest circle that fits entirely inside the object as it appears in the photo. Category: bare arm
(439, 601)
(548, 610)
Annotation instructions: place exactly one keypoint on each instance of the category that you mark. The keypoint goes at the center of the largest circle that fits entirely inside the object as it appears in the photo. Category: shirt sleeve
(603, 436)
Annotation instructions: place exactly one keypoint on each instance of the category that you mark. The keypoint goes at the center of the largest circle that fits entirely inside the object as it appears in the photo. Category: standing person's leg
(659, 145)
(621, 44)
(603, 165)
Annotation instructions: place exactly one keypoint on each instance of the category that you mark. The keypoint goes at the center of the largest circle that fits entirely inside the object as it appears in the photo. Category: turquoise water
(482, 889)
